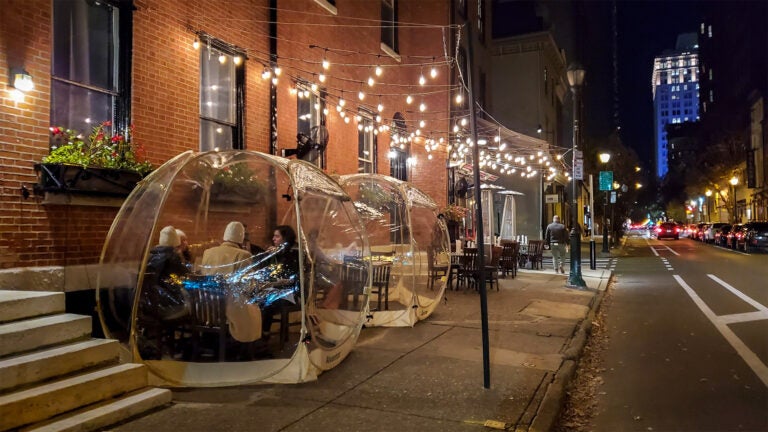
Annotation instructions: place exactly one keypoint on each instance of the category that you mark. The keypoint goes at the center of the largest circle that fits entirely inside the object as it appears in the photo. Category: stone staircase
(55, 377)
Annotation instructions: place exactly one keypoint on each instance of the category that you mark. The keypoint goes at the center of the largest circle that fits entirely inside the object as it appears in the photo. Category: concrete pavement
(425, 378)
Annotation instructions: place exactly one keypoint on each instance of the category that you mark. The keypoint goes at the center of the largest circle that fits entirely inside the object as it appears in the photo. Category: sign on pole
(606, 180)
(578, 169)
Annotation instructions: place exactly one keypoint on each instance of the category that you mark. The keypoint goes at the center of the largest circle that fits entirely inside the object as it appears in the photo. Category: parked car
(699, 234)
(709, 232)
(721, 235)
(735, 237)
(755, 235)
(668, 230)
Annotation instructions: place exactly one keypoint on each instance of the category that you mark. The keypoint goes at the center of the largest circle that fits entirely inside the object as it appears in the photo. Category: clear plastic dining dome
(410, 252)
(227, 268)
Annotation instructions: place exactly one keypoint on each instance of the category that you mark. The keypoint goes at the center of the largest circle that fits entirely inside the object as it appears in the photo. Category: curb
(549, 409)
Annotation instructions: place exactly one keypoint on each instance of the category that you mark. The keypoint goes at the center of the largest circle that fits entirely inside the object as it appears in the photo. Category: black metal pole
(574, 277)
(605, 224)
(479, 217)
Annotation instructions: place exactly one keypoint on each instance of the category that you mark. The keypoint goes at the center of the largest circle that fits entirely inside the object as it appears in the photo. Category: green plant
(238, 179)
(454, 213)
(102, 149)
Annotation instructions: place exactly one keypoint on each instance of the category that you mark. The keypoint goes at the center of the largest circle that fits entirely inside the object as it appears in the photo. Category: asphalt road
(688, 340)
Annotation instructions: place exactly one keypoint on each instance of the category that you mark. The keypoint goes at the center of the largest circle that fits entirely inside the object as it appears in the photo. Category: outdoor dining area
(502, 259)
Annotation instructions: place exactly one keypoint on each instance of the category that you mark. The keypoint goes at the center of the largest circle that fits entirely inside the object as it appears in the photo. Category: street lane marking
(654, 251)
(744, 317)
(671, 250)
(755, 304)
(754, 363)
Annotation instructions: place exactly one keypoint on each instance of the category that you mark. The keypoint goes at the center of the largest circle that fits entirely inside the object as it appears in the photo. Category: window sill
(327, 6)
(390, 52)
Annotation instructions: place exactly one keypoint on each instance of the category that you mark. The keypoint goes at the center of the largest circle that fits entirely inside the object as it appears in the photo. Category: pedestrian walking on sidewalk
(556, 237)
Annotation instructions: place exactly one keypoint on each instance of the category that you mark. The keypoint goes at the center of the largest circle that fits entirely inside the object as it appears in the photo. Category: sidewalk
(425, 378)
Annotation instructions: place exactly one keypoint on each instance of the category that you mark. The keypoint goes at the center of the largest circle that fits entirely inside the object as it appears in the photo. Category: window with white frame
(389, 37)
(90, 80)
(221, 85)
(365, 143)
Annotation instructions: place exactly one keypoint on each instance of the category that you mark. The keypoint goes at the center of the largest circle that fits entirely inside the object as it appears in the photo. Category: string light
(378, 71)
(422, 107)
(360, 95)
(371, 81)
(278, 70)
(380, 107)
(409, 99)
(321, 77)
(237, 59)
(222, 59)
(196, 43)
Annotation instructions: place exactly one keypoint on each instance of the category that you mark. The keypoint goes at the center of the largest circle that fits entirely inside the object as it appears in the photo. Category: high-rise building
(675, 85)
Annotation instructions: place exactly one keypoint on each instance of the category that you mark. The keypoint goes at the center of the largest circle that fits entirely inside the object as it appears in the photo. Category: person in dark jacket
(556, 237)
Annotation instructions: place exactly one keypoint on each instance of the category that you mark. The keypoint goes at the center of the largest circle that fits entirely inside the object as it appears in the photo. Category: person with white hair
(183, 248)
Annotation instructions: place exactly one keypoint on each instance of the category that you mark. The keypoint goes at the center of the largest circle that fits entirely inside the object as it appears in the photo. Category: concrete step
(43, 402)
(16, 305)
(97, 416)
(31, 334)
(24, 369)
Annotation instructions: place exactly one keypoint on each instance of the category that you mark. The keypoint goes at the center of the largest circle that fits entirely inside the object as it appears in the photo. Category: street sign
(606, 180)
(578, 154)
(613, 197)
(578, 169)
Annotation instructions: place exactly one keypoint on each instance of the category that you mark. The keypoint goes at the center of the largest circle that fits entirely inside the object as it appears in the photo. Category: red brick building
(154, 82)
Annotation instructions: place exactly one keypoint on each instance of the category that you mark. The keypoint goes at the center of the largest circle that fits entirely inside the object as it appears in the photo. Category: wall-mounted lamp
(22, 81)
(539, 129)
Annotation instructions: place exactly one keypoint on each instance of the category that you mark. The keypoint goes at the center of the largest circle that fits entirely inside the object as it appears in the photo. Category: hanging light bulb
(196, 43)
(378, 119)
(422, 80)
(422, 107)
(380, 107)
(278, 70)
(342, 102)
(222, 59)
(274, 80)
(314, 87)
(409, 99)
(433, 72)
(371, 82)
(360, 95)
(326, 64)
(321, 77)
(346, 119)
(422, 124)
(266, 74)
(459, 98)
(378, 71)
(237, 60)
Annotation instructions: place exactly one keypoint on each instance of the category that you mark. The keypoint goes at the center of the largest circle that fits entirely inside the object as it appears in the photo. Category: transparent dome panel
(225, 275)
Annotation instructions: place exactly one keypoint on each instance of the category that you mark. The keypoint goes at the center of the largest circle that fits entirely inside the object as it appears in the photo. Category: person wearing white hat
(229, 256)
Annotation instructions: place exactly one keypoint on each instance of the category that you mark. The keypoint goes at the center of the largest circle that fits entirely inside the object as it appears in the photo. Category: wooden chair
(492, 269)
(208, 315)
(454, 269)
(380, 282)
(436, 270)
(354, 278)
(535, 253)
(469, 267)
(509, 257)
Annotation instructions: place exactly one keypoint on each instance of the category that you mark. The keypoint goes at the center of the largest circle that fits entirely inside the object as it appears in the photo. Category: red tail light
(658, 229)
(676, 230)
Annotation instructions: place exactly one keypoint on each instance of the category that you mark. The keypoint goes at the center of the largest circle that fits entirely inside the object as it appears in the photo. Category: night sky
(645, 30)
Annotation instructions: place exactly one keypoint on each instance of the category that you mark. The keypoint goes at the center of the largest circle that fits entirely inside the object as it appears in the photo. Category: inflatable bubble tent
(229, 268)
(409, 244)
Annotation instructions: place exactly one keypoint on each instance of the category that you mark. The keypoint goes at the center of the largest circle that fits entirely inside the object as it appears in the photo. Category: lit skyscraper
(675, 84)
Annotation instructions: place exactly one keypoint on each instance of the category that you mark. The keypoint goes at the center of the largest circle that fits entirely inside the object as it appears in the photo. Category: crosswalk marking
(602, 262)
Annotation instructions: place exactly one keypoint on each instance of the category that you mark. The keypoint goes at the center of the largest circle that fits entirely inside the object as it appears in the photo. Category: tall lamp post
(604, 158)
(708, 193)
(733, 181)
(575, 79)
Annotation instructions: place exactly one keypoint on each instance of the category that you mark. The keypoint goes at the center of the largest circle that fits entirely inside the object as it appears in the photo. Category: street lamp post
(604, 158)
(733, 181)
(708, 193)
(575, 79)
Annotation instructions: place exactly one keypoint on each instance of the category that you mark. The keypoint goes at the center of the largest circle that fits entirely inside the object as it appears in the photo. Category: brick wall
(165, 101)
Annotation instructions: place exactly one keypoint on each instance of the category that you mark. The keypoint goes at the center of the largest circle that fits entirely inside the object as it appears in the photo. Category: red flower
(55, 131)
(117, 138)
(107, 123)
